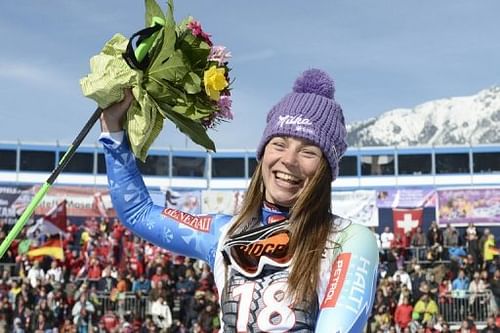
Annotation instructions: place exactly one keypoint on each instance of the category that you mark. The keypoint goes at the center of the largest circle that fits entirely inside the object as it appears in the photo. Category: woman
(285, 263)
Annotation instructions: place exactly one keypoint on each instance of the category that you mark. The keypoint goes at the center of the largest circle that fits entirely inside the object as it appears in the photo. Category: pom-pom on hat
(310, 112)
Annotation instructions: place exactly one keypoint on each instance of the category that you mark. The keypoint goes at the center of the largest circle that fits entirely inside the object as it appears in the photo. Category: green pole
(19, 225)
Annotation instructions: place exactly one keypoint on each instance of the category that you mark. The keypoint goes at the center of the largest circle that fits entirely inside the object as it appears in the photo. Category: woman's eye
(310, 153)
(278, 144)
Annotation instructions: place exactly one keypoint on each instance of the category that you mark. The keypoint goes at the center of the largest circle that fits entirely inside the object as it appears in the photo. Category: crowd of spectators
(429, 280)
(109, 281)
(105, 267)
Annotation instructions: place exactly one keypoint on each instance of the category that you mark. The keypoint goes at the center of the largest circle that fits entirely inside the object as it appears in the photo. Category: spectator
(209, 319)
(94, 271)
(473, 243)
(478, 299)
(41, 325)
(18, 326)
(141, 286)
(489, 253)
(415, 323)
(465, 327)
(434, 235)
(461, 283)
(68, 326)
(426, 308)
(491, 326)
(109, 321)
(471, 231)
(404, 277)
(123, 284)
(450, 236)
(106, 283)
(161, 314)
(418, 243)
(35, 274)
(55, 272)
(386, 239)
(148, 325)
(82, 313)
(159, 276)
(483, 239)
(402, 315)
(495, 286)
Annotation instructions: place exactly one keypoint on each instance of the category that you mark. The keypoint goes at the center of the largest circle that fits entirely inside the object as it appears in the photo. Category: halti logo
(201, 223)
(293, 120)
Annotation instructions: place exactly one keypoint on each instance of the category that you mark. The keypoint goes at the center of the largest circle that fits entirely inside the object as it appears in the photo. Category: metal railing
(458, 305)
(123, 303)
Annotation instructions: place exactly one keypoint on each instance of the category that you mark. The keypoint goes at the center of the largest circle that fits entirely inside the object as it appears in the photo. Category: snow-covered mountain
(457, 120)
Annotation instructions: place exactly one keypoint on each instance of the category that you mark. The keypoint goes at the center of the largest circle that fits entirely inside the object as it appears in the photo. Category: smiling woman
(288, 165)
(285, 263)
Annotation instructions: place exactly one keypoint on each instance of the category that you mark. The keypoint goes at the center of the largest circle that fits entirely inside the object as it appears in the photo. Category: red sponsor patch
(200, 223)
(337, 277)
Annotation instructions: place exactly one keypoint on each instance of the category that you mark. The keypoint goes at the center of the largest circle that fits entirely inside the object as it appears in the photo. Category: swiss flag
(406, 220)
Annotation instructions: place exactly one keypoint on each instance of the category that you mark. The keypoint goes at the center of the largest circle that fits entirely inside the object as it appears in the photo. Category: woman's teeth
(288, 178)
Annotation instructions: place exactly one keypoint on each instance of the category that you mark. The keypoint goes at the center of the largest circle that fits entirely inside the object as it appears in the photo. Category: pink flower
(197, 31)
(219, 54)
(224, 104)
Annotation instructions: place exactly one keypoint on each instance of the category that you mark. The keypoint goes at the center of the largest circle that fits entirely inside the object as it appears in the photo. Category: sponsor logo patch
(337, 278)
(200, 223)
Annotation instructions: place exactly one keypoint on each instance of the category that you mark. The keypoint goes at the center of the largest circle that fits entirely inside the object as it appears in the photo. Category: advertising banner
(406, 198)
(358, 206)
(464, 206)
(222, 202)
(13, 201)
(186, 201)
(80, 201)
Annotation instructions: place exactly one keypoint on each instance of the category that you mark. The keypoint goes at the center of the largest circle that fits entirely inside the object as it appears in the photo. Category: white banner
(222, 202)
(186, 201)
(358, 206)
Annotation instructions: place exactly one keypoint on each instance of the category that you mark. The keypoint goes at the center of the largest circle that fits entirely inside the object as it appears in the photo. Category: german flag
(52, 248)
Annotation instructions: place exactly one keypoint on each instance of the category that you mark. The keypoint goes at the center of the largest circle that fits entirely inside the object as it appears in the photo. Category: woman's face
(288, 165)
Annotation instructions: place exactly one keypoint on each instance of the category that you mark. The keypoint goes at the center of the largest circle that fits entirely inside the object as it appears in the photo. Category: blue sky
(382, 54)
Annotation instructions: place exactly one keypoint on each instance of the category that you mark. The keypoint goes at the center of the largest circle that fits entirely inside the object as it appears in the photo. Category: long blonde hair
(310, 225)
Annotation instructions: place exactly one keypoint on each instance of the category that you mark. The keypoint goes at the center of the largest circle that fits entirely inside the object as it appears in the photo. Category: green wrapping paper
(185, 80)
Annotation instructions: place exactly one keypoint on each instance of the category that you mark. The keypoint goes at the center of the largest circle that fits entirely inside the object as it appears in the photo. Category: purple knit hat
(310, 112)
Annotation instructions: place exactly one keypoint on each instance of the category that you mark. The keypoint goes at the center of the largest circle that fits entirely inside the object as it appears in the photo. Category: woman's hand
(112, 117)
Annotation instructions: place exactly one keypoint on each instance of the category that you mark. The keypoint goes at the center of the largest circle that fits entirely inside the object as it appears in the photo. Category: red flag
(53, 222)
(406, 220)
(57, 216)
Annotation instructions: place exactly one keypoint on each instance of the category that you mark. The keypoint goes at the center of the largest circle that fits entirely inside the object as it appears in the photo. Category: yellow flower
(215, 81)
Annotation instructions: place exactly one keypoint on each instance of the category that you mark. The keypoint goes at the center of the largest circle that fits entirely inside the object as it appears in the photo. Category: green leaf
(195, 131)
(181, 109)
(173, 69)
(192, 83)
(169, 37)
(160, 89)
(153, 10)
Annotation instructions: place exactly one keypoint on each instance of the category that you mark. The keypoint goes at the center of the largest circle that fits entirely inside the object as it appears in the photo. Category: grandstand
(413, 180)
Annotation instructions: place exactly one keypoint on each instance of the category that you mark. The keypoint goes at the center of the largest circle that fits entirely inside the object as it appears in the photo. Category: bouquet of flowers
(175, 72)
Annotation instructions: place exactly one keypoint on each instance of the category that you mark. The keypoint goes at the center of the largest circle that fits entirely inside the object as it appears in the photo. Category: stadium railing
(458, 305)
(123, 303)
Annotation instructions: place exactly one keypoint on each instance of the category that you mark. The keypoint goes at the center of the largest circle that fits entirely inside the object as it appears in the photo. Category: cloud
(33, 74)
(252, 57)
